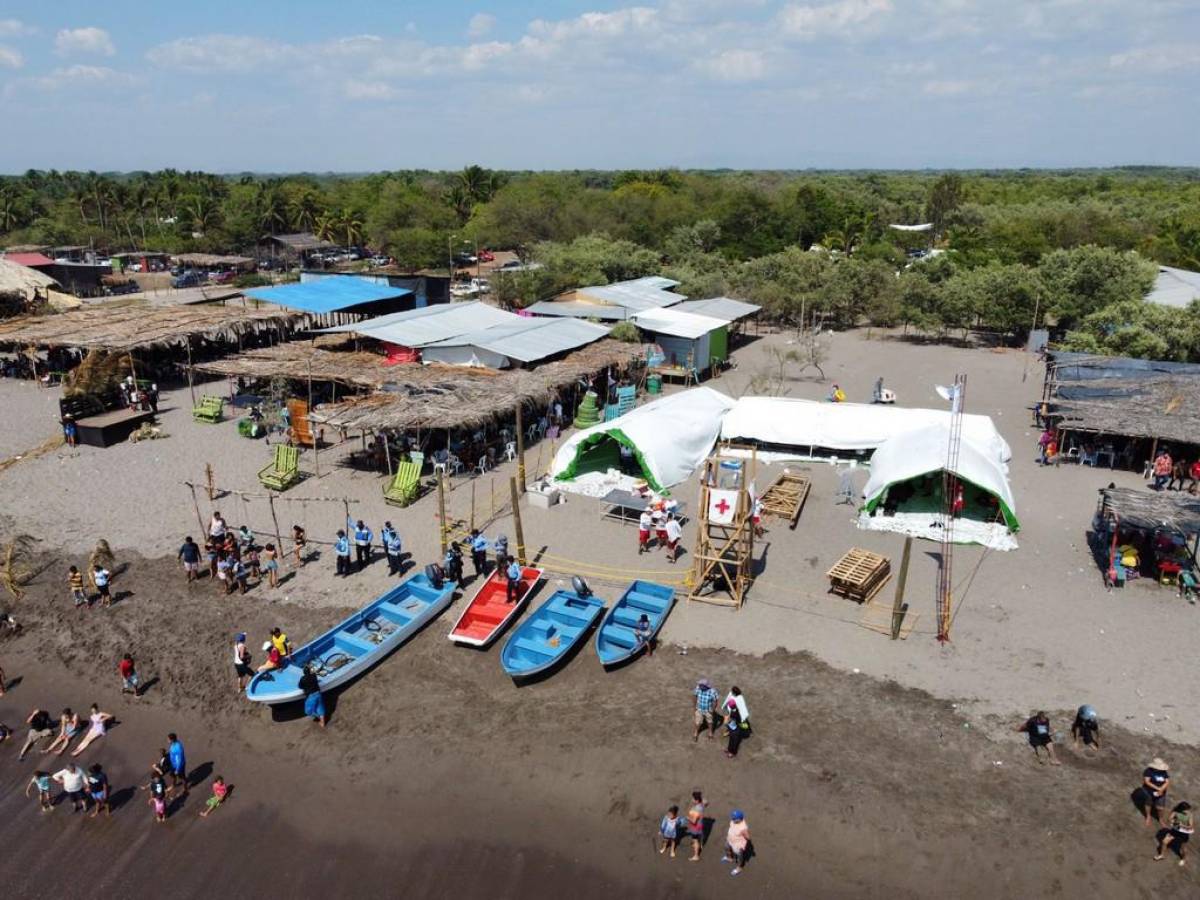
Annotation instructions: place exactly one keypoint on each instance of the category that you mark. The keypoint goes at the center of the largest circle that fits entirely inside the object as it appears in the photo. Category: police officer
(501, 552)
(514, 579)
(362, 544)
(453, 563)
(392, 547)
(341, 549)
(479, 548)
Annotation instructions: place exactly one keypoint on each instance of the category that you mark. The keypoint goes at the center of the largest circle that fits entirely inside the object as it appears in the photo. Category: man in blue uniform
(479, 548)
(362, 544)
(514, 579)
(392, 547)
(341, 549)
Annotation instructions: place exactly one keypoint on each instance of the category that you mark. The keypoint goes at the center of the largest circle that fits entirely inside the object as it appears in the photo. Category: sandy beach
(864, 748)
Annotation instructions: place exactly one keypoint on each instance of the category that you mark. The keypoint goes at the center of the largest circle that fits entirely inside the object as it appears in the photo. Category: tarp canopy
(788, 422)
(669, 438)
(326, 295)
(989, 514)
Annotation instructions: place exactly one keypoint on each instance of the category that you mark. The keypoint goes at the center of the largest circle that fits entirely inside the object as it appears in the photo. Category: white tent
(669, 438)
(919, 452)
(809, 424)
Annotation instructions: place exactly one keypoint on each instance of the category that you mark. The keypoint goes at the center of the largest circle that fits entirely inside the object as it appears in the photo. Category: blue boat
(549, 633)
(616, 640)
(354, 645)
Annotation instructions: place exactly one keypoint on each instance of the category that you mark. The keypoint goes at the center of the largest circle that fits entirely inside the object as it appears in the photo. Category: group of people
(233, 557)
(278, 650)
(101, 579)
(665, 527)
(694, 824)
(1170, 474)
(358, 536)
(732, 715)
(1175, 827)
(70, 726)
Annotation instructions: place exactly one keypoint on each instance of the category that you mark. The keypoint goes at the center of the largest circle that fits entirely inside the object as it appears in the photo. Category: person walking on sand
(1037, 727)
(130, 682)
(314, 703)
(737, 840)
(241, 661)
(479, 547)
(98, 728)
(270, 564)
(189, 554)
(177, 763)
(706, 701)
(674, 532)
(1181, 827)
(1156, 779)
(645, 523)
(341, 549)
(299, 539)
(69, 726)
(668, 831)
(41, 727)
(41, 781)
(100, 578)
(157, 787)
(72, 779)
(75, 583)
(220, 792)
(392, 547)
(1086, 728)
(695, 825)
(737, 720)
(98, 788)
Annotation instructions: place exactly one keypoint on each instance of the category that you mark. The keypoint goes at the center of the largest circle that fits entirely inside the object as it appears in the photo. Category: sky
(273, 86)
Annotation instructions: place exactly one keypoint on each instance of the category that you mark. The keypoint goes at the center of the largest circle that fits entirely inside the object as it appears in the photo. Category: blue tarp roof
(326, 295)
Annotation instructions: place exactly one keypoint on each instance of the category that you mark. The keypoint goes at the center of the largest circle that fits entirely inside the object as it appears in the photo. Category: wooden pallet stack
(784, 499)
(859, 575)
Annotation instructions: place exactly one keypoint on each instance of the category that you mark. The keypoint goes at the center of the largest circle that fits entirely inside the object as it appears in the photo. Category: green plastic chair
(404, 486)
(211, 409)
(284, 471)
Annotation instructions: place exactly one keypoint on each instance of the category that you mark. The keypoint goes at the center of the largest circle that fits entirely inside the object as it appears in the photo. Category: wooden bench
(102, 419)
(210, 409)
(859, 575)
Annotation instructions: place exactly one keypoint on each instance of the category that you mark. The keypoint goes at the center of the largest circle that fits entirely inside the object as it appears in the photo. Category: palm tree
(271, 209)
(478, 183)
(305, 210)
(202, 209)
(460, 199)
(349, 226)
(10, 211)
(326, 226)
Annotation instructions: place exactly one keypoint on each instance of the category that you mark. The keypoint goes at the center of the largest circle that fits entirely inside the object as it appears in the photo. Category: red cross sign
(722, 507)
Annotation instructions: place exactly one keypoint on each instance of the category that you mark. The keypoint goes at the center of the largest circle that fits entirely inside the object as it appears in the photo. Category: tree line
(1074, 250)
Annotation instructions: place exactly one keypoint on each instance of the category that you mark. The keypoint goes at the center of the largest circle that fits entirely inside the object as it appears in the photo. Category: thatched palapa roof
(1175, 511)
(421, 396)
(18, 279)
(136, 325)
(1163, 408)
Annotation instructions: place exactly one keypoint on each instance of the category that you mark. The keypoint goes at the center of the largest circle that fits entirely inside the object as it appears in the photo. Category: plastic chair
(531, 432)
(454, 463)
(510, 451)
(481, 467)
(440, 468)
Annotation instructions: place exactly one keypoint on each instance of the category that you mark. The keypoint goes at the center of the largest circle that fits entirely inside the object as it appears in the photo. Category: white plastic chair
(454, 463)
(482, 466)
(531, 432)
(439, 468)
(510, 451)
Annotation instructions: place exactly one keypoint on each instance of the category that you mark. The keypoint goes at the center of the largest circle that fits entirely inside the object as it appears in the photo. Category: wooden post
(516, 512)
(346, 507)
(275, 520)
(191, 384)
(441, 511)
(520, 453)
(472, 526)
(387, 453)
(208, 477)
(899, 607)
(196, 503)
(493, 497)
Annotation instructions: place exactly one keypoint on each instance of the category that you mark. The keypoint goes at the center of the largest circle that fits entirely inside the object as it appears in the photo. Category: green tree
(945, 197)
(1082, 280)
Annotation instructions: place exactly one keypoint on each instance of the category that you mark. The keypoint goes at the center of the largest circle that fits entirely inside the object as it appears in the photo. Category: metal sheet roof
(640, 293)
(725, 308)
(29, 259)
(677, 324)
(530, 338)
(326, 295)
(430, 324)
(1175, 287)
(577, 310)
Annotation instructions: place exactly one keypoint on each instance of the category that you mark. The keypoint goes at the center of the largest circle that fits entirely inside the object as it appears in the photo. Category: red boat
(489, 612)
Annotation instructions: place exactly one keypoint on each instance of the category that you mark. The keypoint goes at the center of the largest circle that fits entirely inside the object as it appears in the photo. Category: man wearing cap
(392, 547)
(513, 572)
(362, 544)
(479, 547)
(341, 549)
(1086, 727)
(737, 839)
(1155, 780)
(706, 702)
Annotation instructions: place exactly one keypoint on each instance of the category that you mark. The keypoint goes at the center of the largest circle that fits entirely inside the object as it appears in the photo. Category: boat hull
(489, 613)
(616, 640)
(547, 635)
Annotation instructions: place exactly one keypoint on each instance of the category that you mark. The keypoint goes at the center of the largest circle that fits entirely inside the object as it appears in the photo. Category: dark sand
(437, 777)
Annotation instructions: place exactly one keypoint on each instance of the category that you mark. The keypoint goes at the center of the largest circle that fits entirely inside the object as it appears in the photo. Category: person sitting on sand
(220, 792)
(1037, 727)
(98, 728)
(69, 725)
(41, 727)
(1180, 830)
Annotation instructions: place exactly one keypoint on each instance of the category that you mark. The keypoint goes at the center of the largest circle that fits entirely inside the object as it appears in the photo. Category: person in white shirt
(674, 532)
(216, 527)
(645, 523)
(72, 780)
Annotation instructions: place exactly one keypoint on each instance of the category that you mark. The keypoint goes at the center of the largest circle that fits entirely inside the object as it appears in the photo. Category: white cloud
(81, 76)
(737, 65)
(368, 90)
(843, 17)
(10, 58)
(947, 88)
(83, 41)
(615, 24)
(1158, 58)
(219, 53)
(13, 27)
(480, 25)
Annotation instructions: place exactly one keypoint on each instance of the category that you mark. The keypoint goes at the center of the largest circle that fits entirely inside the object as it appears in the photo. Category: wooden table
(112, 427)
(619, 505)
(859, 575)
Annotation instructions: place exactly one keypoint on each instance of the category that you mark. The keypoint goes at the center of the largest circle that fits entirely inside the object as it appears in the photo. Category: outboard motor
(580, 586)
(436, 575)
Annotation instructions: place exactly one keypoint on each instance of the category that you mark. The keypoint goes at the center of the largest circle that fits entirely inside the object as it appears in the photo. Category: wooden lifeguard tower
(724, 547)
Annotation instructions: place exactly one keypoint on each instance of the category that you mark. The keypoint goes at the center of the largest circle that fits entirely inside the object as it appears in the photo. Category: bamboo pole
(209, 479)
(191, 382)
(275, 520)
(899, 607)
(520, 451)
(493, 497)
(441, 511)
(196, 504)
(387, 453)
(516, 512)
(472, 526)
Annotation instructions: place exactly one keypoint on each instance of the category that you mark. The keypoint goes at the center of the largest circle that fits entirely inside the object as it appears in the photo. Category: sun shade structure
(905, 491)
(430, 324)
(612, 302)
(669, 438)
(724, 308)
(1175, 287)
(327, 295)
(526, 341)
(137, 325)
(808, 425)
(576, 310)
(19, 279)
(1152, 510)
(677, 324)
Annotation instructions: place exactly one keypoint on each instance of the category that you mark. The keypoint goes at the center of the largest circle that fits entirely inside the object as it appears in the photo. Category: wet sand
(438, 777)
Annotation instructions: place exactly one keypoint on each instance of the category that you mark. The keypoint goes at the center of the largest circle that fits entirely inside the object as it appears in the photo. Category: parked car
(123, 287)
(187, 279)
(487, 256)
(223, 277)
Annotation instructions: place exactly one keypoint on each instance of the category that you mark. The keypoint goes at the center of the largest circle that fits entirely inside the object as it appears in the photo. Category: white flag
(952, 393)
